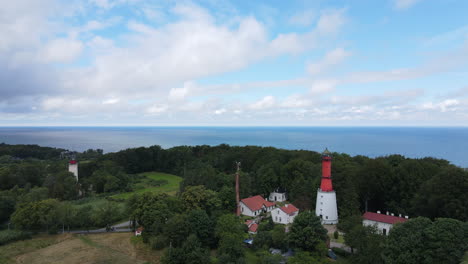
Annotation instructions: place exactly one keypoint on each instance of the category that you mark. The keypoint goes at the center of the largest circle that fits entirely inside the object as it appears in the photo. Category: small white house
(255, 205)
(383, 222)
(284, 215)
(253, 226)
(138, 231)
(277, 196)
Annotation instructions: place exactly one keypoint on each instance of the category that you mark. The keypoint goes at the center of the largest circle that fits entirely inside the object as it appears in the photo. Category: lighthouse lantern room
(326, 207)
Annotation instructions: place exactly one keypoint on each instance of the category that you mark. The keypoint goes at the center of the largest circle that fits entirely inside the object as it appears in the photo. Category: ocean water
(442, 142)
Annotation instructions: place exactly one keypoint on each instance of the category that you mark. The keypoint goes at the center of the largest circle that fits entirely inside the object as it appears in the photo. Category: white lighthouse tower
(326, 207)
(73, 168)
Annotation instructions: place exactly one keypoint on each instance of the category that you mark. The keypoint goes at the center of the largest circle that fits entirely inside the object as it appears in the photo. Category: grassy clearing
(465, 258)
(10, 251)
(113, 248)
(170, 184)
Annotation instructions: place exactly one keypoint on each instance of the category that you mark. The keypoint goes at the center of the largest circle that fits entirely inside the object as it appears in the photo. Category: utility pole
(237, 188)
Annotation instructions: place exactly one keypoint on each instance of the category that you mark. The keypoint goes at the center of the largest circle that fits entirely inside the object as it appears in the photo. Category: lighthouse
(73, 168)
(326, 207)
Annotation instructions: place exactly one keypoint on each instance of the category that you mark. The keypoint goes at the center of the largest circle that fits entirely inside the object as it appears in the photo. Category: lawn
(155, 182)
(115, 248)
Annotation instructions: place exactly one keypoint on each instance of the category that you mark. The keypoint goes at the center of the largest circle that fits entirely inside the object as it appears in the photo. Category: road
(119, 228)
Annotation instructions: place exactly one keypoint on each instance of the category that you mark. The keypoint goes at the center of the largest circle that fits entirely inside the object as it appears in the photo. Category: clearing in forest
(115, 248)
(155, 182)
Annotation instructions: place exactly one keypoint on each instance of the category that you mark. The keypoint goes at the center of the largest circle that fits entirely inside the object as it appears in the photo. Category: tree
(198, 197)
(191, 252)
(83, 217)
(106, 214)
(444, 195)
(201, 225)
(368, 242)
(302, 257)
(177, 229)
(36, 215)
(61, 185)
(229, 224)
(278, 237)
(230, 248)
(307, 232)
(421, 241)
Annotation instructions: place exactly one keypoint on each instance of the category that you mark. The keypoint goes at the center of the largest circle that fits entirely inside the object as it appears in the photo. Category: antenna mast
(237, 188)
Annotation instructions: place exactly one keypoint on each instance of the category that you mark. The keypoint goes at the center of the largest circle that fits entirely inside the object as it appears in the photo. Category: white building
(253, 226)
(255, 205)
(277, 196)
(284, 215)
(73, 168)
(383, 222)
(326, 208)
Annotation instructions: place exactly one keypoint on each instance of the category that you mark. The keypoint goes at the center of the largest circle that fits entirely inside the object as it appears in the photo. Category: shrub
(336, 234)
(158, 242)
(9, 236)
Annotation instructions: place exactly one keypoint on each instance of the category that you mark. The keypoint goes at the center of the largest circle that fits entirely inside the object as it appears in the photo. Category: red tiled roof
(255, 203)
(383, 218)
(289, 209)
(253, 227)
(72, 161)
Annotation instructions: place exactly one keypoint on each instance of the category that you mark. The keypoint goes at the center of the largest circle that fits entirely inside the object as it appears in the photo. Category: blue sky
(222, 63)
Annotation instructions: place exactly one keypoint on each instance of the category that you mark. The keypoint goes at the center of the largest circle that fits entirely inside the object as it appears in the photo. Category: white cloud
(264, 103)
(296, 101)
(331, 21)
(157, 109)
(405, 4)
(443, 106)
(331, 59)
(61, 50)
(303, 18)
(111, 101)
(323, 86)
(220, 111)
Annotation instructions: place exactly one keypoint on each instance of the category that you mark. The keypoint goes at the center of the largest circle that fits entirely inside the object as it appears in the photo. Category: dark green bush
(8, 236)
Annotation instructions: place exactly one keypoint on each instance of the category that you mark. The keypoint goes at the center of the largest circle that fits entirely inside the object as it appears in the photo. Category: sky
(233, 63)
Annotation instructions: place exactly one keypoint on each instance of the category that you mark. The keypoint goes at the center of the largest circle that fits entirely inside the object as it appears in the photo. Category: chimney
(406, 217)
(392, 214)
(286, 205)
(378, 212)
(399, 215)
(388, 213)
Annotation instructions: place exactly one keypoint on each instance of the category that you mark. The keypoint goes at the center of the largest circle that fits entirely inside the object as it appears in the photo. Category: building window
(321, 203)
(280, 219)
(242, 209)
(384, 232)
(321, 196)
(326, 217)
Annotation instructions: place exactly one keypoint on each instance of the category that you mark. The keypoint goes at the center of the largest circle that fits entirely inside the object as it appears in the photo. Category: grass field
(115, 248)
(170, 185)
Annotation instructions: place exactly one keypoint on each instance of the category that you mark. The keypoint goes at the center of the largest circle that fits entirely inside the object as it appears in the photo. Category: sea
(450, 143)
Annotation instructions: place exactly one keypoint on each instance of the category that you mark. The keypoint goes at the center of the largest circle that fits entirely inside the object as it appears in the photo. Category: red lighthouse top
(73, 162)
(326, 184)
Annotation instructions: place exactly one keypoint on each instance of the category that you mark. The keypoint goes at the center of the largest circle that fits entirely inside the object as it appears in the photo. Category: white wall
(280, 217)
(326, 207)
(380, 226)
(246, 210)
(73, 168)
(280, 197)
